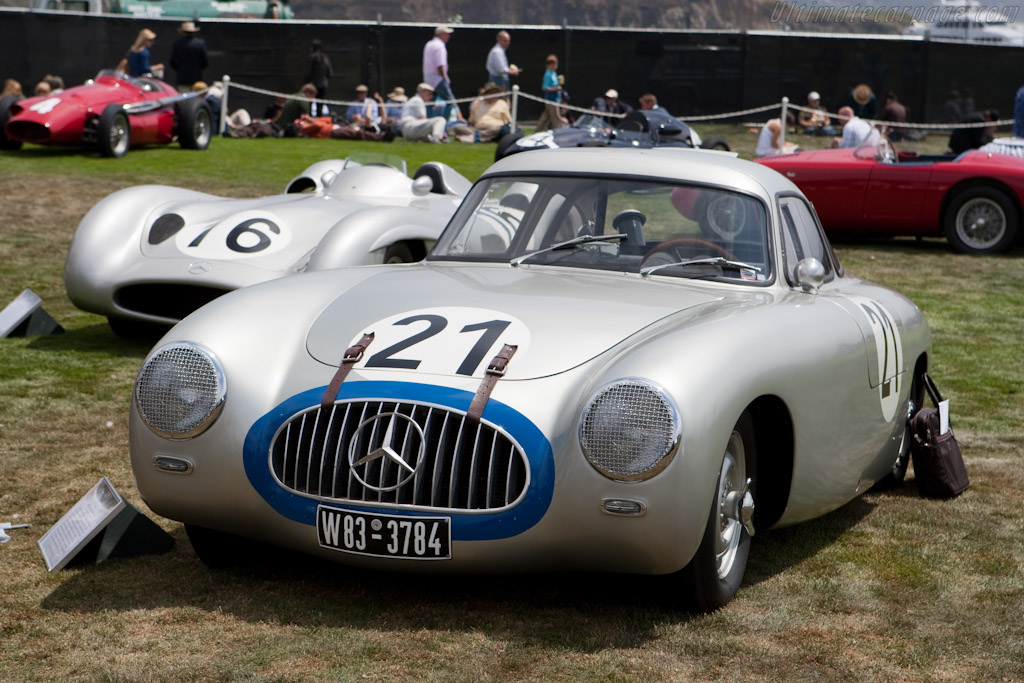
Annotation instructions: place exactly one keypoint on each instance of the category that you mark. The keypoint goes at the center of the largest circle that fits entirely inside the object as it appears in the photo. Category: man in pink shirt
(435, 67)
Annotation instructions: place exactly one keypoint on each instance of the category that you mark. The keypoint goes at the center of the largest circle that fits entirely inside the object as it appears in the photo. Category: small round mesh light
(180, 390)
(629, 430)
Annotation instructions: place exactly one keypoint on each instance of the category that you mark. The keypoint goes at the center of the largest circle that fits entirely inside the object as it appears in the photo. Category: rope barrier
(516, 93)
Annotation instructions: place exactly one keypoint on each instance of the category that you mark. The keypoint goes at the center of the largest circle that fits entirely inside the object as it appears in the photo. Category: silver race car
(152, 254)
(612, 360)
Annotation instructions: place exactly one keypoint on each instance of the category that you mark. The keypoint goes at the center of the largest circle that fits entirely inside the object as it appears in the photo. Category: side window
(801, 238)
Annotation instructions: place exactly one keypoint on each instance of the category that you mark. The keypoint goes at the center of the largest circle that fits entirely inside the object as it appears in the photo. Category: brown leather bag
(939, 468)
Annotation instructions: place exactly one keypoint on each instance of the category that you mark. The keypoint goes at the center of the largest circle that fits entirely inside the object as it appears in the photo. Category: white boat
(969, 22)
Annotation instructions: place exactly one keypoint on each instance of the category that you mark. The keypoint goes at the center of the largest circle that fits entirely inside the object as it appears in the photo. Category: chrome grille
(458, 464)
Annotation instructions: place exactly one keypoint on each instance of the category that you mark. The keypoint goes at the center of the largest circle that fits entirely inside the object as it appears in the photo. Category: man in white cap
(435, 66)
(188, 57)
(415, 125)
(611, 104)
(498, 68)
(816, 121)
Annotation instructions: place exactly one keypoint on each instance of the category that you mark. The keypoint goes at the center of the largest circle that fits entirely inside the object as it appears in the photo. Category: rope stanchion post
(224, 105)
(515, 108)
(784, 123)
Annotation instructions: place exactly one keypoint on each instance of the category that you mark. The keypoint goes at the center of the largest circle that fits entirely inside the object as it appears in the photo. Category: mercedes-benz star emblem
(367, 447)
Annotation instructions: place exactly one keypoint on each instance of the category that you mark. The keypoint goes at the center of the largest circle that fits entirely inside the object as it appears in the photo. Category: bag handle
(933, 390)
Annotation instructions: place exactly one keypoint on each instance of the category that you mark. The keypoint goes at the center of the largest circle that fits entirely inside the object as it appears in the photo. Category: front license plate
(369, 533)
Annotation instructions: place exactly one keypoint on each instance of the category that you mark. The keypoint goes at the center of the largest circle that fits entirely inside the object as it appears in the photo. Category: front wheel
(715, 573)
(898, 473)
(195, 124)
(113, 132)
(981, 220)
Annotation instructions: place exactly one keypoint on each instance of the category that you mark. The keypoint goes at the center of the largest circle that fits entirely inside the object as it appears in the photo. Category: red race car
(975, 199)
(111, 112)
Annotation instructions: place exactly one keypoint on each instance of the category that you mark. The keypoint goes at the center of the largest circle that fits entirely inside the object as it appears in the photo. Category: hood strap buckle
(353, 355)
(495, 370)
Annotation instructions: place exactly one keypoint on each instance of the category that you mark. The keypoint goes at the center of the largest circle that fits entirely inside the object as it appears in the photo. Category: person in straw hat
(188, 56)
(862, 101)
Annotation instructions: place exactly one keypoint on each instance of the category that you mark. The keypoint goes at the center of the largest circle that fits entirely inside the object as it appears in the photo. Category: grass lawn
(889, 587)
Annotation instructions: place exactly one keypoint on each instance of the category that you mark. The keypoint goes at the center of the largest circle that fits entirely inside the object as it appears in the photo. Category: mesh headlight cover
(629, 430)
(180, 390)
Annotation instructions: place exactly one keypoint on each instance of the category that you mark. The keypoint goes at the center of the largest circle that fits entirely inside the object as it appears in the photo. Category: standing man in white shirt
(498, 69)
(435, 66)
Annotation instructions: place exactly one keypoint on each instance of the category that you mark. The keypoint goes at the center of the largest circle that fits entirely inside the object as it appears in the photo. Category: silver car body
(154, 253)
(823, 365)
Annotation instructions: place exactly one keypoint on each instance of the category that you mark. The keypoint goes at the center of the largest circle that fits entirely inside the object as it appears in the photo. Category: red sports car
(112, 112)
(975, 199)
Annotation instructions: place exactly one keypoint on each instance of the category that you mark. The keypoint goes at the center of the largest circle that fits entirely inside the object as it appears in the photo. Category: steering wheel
(690, 242)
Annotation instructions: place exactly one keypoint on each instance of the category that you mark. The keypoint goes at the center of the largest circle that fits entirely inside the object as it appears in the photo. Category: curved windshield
(650, 227)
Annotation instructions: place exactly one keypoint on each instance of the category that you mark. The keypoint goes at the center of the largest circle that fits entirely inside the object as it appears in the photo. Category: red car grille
(28, 131)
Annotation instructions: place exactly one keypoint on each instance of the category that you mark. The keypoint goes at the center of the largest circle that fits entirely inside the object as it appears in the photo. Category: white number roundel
(246, 234)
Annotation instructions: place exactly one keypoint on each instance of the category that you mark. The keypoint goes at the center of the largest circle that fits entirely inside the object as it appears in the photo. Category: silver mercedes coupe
(612, 360)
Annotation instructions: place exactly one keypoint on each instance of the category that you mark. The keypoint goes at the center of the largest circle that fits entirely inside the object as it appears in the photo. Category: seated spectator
(862, 101)
(489, 114)
(963, 139)
(648, 102)
(769, 142)
(894, 111)
(611, 104)
(273, 110)
(12, 87)
(856, 131)
(56, 83)
(363, 109)
(297, 105)
(415, 125)
(396, 100)
(815, 122)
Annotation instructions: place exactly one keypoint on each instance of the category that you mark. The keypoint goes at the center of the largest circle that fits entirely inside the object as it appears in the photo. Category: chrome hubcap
(735, 506)
(119, 135)
(980, 223)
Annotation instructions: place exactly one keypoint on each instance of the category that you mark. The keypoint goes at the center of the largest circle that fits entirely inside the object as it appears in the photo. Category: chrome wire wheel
(731, 484)
(980, 223)
(119, 136)
(202, 129)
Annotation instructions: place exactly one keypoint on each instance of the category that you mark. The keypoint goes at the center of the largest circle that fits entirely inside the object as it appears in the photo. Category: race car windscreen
(648, 227)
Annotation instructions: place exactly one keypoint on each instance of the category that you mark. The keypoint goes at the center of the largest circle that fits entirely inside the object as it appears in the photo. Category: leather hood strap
(495, 370)
(352, 356)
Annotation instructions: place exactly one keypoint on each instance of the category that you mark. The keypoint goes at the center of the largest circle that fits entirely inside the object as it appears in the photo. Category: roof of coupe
(712, 167)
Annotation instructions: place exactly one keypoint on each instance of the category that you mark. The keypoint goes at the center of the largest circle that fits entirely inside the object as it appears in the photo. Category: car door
(896, 193)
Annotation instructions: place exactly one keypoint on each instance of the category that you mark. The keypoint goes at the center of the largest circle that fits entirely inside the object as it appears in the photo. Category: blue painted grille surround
(465, 527)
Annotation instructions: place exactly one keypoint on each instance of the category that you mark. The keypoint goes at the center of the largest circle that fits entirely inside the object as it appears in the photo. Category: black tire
(5, 113)
(981, 220)
(220, 550)
(715, 573)
(715, 142)
(136, 329)
(898, 473)
(399, 252)
(113, 132)
(195, 124)
(504, 143)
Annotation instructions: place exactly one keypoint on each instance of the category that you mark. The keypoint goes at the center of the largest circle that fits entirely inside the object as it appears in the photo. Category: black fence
(691, 72)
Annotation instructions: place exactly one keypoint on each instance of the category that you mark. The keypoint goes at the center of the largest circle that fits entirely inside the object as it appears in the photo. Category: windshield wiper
(707, 261)
(582, 239)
